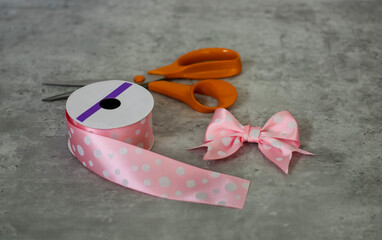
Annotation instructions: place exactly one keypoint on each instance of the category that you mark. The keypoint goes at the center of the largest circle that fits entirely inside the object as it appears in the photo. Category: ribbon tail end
(206, 155)
(193, 148)
(304, 152)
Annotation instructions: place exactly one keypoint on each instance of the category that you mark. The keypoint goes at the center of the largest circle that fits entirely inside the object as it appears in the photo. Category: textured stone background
(320, 60)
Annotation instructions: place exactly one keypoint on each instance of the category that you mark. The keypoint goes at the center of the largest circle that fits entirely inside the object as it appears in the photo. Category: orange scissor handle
(222, 91)
(203, 64)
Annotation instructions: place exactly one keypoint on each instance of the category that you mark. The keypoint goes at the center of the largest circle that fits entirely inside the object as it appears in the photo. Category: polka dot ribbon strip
(136, 168)
(277, 140)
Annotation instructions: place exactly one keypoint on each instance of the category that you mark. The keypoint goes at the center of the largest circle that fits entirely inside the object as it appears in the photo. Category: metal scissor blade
(81, 83)
(57, 97)
(152, 78)
(73, 83)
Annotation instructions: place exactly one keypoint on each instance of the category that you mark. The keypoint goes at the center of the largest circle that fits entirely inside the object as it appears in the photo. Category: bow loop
(277, 140)
(283, 126)
(223, 124)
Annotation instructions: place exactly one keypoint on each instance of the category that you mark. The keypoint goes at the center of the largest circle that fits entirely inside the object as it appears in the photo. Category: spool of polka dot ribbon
(110, 133)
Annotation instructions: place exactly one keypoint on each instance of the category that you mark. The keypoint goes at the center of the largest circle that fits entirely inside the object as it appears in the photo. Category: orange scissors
(207, 63)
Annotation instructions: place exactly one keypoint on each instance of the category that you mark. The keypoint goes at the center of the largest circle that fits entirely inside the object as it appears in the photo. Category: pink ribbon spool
(110, 132)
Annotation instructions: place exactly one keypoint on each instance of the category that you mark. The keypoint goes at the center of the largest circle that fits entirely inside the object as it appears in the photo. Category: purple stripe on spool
(85, 115)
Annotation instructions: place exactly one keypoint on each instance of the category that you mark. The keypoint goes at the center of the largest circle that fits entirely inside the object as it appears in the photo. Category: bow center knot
(251, 134)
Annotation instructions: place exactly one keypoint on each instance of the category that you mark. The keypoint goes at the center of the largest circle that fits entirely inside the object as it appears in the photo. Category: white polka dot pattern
(87, 140)
(164, 182)
(97, 153)
(230, 187)
(148, 172)
(191, 183)
(180, 171)
(178, 193)
(145, 167)
(201, 195)
(147, 182)
(123, 151)
(276, 140)
(80, 150)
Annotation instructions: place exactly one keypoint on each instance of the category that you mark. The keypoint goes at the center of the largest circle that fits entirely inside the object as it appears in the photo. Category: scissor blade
(152, 78)
(57, 97)
(73, 83)
(81, 83)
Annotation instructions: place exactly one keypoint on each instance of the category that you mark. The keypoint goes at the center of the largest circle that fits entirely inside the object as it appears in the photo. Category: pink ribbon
(145, 171)
(277, 140)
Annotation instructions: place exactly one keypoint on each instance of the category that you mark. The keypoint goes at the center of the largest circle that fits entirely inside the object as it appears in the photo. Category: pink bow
(277, 140)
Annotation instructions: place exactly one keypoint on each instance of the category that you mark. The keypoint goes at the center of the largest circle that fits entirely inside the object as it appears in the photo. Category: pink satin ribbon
(105, 153)
(277, 140)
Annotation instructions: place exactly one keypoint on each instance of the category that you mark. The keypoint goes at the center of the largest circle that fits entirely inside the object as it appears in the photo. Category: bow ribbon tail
(280, 153)
(221, 147)
(302, 151)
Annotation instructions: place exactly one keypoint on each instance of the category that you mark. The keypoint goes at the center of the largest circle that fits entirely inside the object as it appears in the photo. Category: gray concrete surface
(320, 60)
